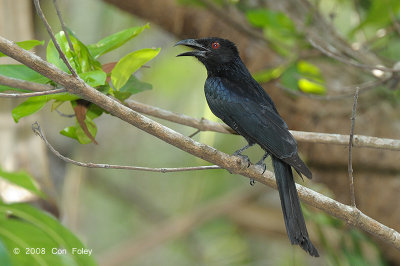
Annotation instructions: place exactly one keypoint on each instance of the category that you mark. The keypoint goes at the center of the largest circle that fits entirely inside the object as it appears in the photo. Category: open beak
(200, 50)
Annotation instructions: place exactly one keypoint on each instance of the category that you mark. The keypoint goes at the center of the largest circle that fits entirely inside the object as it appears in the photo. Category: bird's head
(211, 51)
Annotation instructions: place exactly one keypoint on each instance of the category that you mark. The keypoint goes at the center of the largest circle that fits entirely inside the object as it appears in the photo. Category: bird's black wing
(244, 109)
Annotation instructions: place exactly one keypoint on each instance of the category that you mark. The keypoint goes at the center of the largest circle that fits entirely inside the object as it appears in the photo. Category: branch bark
(234, 164)
(31, 94)
(25, 85)
(301, 136)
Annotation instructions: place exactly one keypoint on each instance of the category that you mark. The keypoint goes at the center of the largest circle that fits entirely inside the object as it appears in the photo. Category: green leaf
(94, 111)
(94, 78)
(378, 15)
(69, 132)
(22, 179)
(34, 229)
(81, 135)
(304, 76)
(52, 56)
(34, 104)
(80, 59)
(77, 133)
(27, 45)
(288, 78)
(62, 97)
(305, 67)
(269, 18)
(132, 86)
(115, 40)
(20, 72)
(269, 74)
(30, 106)
(4, 256)
(130, 64)
(278, 28)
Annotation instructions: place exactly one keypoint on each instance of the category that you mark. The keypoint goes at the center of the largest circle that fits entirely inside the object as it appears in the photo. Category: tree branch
(350, 165)
(38, 131)
(234, 164)
(50, 31)
(25, 85)
(301, 136)
(63, 25)
(31, 94)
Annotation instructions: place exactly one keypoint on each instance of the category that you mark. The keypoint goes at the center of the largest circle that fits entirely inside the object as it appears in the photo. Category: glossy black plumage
(238, 100)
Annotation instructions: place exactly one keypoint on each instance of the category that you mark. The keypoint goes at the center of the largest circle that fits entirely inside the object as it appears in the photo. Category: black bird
(237, 99)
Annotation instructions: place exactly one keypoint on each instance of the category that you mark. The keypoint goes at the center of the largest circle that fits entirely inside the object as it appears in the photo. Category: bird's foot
(261, 163)
(262, 166)
(252, 182)
(244, 158)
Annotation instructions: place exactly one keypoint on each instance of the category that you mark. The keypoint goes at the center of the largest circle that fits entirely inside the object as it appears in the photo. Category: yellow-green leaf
(115, 40)
(311, 87)
(130, 64)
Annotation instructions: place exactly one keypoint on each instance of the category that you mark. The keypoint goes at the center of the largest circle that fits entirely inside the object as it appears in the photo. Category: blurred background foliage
(187, 218)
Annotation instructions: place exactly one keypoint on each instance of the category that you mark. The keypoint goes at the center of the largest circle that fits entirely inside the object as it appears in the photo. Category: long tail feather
(292, 214)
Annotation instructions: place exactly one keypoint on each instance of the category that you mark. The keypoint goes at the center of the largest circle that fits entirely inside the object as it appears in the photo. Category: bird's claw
(244, 158)
(252, 182)
(262, 165)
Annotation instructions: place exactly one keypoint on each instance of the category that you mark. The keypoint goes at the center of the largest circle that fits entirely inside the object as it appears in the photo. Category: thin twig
(23, 84)
(348, 61)
(50, 31)
(301, 136)
(63, 25)
(38, 131)
(350, 165)
(31, 94)
(234, 164)
(194, 133)
(64, 115)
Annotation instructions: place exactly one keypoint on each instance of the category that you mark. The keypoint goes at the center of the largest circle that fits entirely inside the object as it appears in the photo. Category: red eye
(215, 45)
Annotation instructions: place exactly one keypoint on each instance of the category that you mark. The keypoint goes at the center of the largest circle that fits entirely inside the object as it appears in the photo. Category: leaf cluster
(114, 79)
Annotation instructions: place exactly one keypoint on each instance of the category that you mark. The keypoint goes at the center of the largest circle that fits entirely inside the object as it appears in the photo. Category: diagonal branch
(301, 136)
(50, 31)
(64, 28)
(234, 164)
(38, 131)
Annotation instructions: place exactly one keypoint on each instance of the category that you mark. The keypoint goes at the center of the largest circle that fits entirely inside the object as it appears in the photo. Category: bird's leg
(262, 164)
(244, 157)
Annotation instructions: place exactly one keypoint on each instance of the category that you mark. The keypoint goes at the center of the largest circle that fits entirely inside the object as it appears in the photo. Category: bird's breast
(216, 91)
